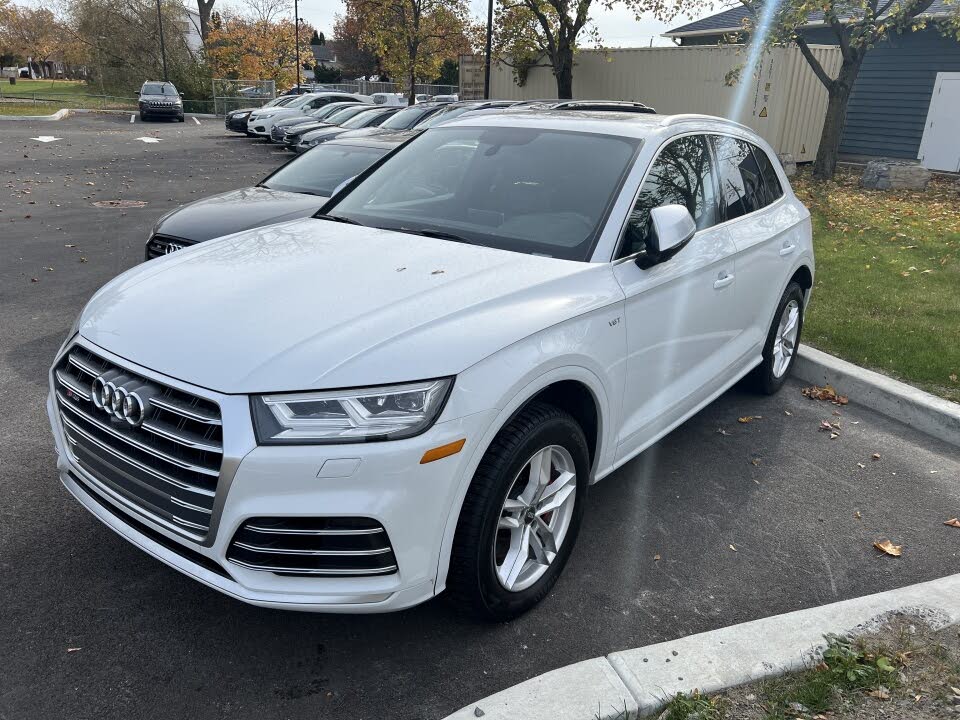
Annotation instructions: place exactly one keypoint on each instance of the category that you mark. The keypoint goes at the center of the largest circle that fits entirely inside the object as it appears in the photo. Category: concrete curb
(202, 116)
(642, 680)
(58, 115)
(932, 415)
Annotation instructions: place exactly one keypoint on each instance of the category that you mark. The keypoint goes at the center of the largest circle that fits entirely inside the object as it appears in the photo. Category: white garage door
(940, 146)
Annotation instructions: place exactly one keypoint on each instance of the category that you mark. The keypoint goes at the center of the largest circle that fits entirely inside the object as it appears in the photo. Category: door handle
(723, 279)
(787, 249)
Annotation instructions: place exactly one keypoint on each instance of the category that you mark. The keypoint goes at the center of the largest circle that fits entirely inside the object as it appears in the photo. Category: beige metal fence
(785, 103)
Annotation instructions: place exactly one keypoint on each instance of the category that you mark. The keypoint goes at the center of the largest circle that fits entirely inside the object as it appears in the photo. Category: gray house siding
(889, 103)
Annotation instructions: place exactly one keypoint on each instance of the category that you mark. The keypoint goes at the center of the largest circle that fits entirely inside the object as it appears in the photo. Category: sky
(618, 28)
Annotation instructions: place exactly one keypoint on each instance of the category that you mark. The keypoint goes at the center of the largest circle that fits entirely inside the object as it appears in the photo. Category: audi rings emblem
(120, 396)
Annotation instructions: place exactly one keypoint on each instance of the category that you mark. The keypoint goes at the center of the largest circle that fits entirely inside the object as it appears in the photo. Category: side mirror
(671, 227)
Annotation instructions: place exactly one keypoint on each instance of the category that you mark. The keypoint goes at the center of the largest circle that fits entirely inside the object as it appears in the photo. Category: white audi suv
(412, 390)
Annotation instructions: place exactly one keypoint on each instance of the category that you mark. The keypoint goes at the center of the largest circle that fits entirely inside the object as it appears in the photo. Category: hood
(323, 132)
(313, 304)
(295, 120)
(231, 212)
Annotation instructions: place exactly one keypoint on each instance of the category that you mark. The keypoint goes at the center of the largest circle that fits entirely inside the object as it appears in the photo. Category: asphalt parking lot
(748, 519)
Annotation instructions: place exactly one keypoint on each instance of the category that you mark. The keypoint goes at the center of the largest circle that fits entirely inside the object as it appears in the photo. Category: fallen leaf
(857, 515)
(953, 377)
(68, 245)
(438, 272)
(861, 465)
(953, 522)
(834, 436)
(876, 456)
(656, 558)
(787, 412)
(826, 393)
(756, 461)
(881, 693)
(955, 690)
(722, 431)
(733, 548)
(73, 649)
(885, 546)
(825, 425)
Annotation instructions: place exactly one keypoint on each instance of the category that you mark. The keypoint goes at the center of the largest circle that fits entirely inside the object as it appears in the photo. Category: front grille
(166, 467)
(160, 245)
(313, 546)
(161, 104)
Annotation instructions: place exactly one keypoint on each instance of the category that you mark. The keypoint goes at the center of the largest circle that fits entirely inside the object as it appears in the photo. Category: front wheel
(521, 515)
(783, 341)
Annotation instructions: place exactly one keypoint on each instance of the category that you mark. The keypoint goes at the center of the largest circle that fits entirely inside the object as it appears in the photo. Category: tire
(143, 116)
(181, 118)
(481, 544)
(770, 375)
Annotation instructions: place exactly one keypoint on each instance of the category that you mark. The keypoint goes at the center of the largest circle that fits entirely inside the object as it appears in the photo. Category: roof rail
(688, 117)
(612, 105)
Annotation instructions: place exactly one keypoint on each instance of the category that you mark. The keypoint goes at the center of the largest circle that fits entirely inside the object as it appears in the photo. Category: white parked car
(412, 390)
(260, 122)
(388, 98)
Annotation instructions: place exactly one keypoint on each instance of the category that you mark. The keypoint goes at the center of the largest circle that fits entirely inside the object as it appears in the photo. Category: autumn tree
(122, 46)
(856, 25)
(205, 10)
(240, 48)
(413, 37)
(31, 32)
(355, 59)
(528, 30)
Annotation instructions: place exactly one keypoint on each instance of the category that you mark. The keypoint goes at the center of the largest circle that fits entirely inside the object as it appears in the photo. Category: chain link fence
(235, 94)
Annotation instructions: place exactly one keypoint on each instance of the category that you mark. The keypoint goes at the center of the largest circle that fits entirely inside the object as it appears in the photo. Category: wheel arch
(572, 388)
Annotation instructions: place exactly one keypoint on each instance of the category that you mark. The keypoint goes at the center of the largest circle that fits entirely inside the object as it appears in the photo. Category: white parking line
(196, 121)
(131, 118)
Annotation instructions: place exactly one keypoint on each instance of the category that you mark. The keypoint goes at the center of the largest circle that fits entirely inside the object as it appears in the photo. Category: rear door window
(772, 190)
(741, 184)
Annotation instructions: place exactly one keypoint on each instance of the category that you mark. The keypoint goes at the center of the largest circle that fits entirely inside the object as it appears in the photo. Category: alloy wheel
(785, 342)
(535, 517)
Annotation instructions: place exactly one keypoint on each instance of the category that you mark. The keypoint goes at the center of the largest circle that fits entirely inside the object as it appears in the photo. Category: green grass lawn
(51, 95)
(887, 293)
(27, 109)
(45, 87)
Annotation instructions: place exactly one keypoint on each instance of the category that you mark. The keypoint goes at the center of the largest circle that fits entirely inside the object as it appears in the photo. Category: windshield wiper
(439, 234)
(338, 218)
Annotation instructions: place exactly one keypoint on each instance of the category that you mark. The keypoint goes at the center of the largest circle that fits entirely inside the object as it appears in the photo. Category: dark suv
(160, 99)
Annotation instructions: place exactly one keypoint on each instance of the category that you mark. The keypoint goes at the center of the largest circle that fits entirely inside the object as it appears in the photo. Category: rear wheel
(521, 515)
(783, 341)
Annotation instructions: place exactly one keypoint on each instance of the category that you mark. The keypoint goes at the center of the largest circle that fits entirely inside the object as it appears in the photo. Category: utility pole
(486, 63)
(296, 24)
(163, 49)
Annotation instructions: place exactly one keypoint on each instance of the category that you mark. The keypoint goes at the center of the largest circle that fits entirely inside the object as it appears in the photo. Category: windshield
(299, 101)
(344, 114)
(446, 114)
(158, 89)
(321, 170)
(328, 110)
(363, 119)
(405, 118)
(529, 190)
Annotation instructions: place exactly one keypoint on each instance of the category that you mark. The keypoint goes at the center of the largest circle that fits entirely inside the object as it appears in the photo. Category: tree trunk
(825, 166)
(412, 98)
(205, 9)
(563, 70)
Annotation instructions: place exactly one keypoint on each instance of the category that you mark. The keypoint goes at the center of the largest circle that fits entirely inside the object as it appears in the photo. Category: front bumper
(236, 124)
(413, 502)
(166, 110)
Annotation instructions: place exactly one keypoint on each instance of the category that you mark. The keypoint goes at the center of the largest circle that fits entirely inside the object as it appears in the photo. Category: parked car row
(417, 347)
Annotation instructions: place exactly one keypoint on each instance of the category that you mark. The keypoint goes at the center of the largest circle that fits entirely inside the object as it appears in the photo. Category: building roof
(732, 20)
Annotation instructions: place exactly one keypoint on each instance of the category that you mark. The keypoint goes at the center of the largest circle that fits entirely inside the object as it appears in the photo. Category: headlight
(347, 416)
(178, 102)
